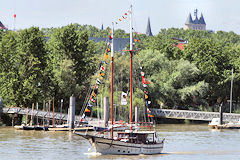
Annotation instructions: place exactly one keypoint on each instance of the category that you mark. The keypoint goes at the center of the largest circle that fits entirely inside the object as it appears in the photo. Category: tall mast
(112, 54)
(131, 55)
(130, 18)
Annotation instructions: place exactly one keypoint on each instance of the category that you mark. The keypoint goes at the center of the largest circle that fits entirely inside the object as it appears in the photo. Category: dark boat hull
(40, 128)
(28, 127)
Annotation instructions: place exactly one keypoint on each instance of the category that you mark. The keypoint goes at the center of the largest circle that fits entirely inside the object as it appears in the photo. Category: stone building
(196, 23)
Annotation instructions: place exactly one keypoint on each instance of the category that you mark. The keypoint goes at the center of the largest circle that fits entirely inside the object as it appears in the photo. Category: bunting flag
(124, 99)
(93, 94)
(151, 116)
(136, 40)
(146, 96)
(108, 50)
(123, 17)
(87, 110)
(144, 80)
(149, 113)
(15, 16)
(95, 87)
(142, 74)
(104, 62)
(105, 56)
(102, 68)
(98, 81)
(102, 74)
(89, 105)
(93, 100)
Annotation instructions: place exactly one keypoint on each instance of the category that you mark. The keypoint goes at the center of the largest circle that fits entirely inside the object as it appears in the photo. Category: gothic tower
(148, 30)
(197, 23)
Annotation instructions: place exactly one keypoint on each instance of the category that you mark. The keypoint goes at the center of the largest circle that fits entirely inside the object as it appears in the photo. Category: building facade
(196, 23)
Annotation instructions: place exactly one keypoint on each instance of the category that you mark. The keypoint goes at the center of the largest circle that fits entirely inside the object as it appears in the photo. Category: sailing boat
(128, 142)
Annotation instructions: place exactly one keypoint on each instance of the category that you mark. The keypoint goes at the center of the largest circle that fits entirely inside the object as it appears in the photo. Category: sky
(218, 14)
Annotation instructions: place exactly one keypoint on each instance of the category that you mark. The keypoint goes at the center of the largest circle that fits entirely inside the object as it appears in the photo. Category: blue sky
(218, 14)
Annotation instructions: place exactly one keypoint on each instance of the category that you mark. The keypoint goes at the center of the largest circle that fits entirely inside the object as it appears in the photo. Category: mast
(131, 55)
(112, 55)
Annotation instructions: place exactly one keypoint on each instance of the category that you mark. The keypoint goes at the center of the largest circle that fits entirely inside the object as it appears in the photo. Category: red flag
(148, 111)
(102, 68)
(125, 14)
(146, 81)
(149, 115)
(14, 15)
(93, 100)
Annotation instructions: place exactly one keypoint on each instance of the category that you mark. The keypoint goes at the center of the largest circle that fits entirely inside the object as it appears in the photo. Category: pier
(39, 113)
(193, 115)
(158, 113)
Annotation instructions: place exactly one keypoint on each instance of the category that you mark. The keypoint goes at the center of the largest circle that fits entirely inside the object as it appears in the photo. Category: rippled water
(182, 142)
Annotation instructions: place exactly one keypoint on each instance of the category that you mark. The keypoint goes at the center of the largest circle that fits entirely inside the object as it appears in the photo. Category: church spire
(189, 19)
(148, 30)
(201, 19)
(102, 27)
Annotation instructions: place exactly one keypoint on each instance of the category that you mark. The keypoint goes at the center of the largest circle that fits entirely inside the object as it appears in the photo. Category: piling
(106, 106)
(136, 114)
(72, 112)
(61, 111)
(31, 122)
(37, 113)
(221, 113)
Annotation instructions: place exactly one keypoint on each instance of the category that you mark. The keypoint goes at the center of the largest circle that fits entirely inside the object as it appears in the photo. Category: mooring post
(37, 113)
(13, 120)
(61, 110)
(136, 115)
(72, 112)
(221, 113)
(106, 106)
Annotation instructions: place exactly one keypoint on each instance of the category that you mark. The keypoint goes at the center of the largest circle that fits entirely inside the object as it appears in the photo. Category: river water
(183, 142)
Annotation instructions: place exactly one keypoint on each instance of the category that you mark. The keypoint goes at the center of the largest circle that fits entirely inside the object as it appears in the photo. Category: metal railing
(39, 113)
(193, 115)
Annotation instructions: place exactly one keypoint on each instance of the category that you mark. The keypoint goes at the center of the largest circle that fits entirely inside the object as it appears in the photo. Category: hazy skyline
(218, 14)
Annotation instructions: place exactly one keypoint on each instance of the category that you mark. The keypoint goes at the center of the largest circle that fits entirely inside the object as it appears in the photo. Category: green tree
(73, 61)
(23, 64)
(174, 82)
(213, 59)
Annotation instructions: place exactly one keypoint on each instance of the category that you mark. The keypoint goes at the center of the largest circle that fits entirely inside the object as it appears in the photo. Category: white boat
(214, 123)
(128, 142)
